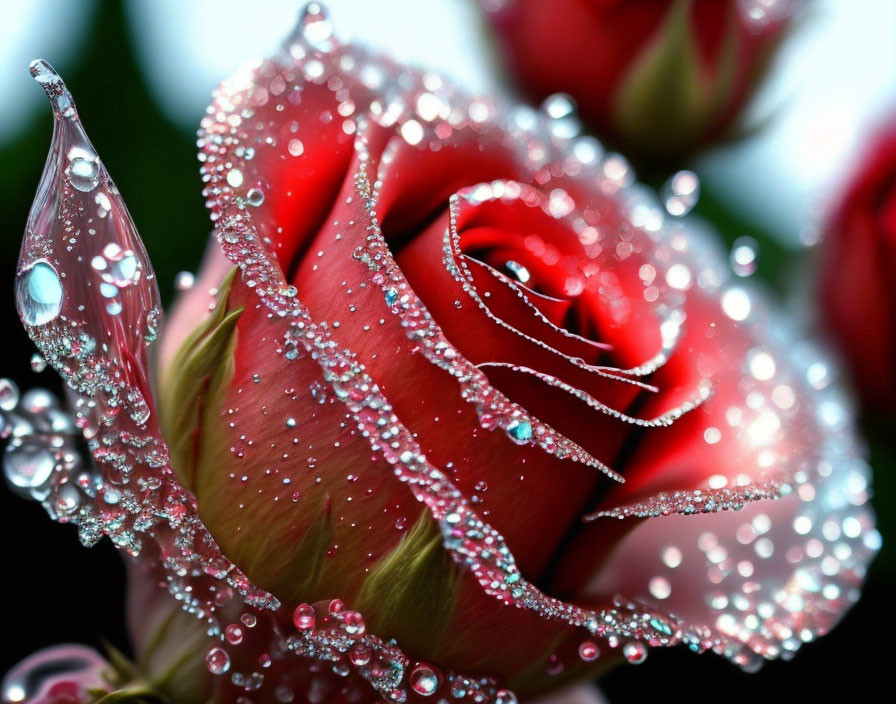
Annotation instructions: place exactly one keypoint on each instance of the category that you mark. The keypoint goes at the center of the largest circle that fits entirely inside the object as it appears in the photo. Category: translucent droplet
(38, 363)
(83, 169)
(184, 280)
(505, 696)
(303, 617)
(255, 197)
(424, 680)
(559, 105)
(120, 266)
(39, 293)
(588, 651)
(520, 431)
(28, 464)
(635, 652)
(744, 256)
(9, 394)
(681, 192)
(519, 272)
(315, 26)
(217, 660)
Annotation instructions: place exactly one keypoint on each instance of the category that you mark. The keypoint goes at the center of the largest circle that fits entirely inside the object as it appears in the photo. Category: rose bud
(659, 79)
(451, 412)
(858, 262)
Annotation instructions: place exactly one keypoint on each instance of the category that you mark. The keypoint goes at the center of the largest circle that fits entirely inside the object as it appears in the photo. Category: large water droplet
(424, 680)
(28, 466)
(83, 169)
(217, 660)
(39, 293)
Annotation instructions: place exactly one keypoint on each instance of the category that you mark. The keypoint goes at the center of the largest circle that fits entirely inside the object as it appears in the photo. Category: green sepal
(410, 594)
(133, 694)
(199, 370)
(301, 581)
(667, 102)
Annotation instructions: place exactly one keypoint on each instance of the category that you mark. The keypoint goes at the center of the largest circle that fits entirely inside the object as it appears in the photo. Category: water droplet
(117, 267)
(518, 271)
(303, 617)
(217, 660)
(681, 192)
(28, 464)
(184, 280)
(315, 26)
(39, 293)
(235, 178)
(520, 431)
(255, 197)
(744, 256)
(83, 169)
(9, 394)
(360, 654)
(295, 147)
(588, 651)
(38, 363)
(505, 696)
(635, 652)
(424, 680)
(234, 634)
(353, 623)
(558, 106)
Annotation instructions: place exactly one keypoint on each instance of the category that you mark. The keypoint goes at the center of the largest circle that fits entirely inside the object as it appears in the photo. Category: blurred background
(141, 73)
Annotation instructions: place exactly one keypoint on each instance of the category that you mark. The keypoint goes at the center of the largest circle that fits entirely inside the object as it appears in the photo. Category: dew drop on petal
(505, 696)
(28, 465)
(39, 293)
(424, 680)
(635, 652)
(83, 169)
(295, 147)
(588, 651)
(38, 363)
(217, 660)
(303, 617)
(9, 394)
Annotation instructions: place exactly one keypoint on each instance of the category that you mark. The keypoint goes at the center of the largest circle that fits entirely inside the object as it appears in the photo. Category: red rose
(857, 290)
(457, 342)
(660, 79)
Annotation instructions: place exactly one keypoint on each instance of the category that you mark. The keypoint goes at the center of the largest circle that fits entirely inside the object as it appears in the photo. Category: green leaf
(410, 593)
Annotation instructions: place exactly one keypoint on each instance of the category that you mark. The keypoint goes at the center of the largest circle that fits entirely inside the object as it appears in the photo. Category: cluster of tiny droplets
(133, 494)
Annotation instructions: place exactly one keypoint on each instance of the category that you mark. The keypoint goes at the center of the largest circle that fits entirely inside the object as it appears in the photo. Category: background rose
(857, 286)
(660, 79)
